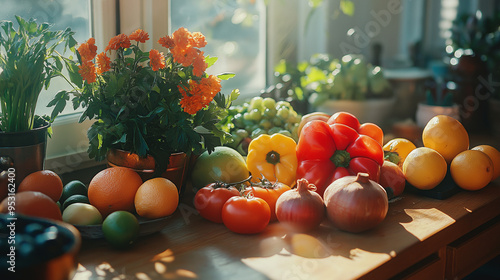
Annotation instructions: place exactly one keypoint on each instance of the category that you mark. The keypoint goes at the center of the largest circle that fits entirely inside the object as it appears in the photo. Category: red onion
(301, 209)
(355, 203)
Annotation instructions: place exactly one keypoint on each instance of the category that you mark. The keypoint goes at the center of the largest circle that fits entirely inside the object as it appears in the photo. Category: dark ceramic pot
(24, 151)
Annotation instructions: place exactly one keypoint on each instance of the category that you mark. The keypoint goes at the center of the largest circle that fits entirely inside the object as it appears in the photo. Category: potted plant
(349, 84)
(474, 50)
(151, 109)
(296, 81)
(29, 59)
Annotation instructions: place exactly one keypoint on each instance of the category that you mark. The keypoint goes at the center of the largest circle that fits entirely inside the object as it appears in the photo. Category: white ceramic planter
(426, 112)
(409, 87)
(378, 111)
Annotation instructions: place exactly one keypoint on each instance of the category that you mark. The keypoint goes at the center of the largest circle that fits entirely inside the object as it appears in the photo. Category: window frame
(67, 147)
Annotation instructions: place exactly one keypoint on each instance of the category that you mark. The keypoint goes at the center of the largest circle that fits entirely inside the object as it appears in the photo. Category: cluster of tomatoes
(242, 207)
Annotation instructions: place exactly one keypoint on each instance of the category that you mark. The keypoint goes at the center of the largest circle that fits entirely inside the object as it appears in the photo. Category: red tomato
(209, 201)
(270, 195)
(246, 215)
(392, 179)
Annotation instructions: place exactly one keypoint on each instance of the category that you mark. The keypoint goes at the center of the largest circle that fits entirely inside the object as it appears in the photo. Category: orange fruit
(494, 155)
(424, 168)
(44, 181)
(445, 135)
(114, 189)
(156, 198)
(471, 170)
(34, 204)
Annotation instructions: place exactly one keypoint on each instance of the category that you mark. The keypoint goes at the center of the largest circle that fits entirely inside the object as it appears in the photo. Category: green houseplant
(149, 104)
(474, 50)
(330, 85)
(29, 60)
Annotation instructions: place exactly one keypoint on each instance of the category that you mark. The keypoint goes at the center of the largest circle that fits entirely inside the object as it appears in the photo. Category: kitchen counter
(421, 238)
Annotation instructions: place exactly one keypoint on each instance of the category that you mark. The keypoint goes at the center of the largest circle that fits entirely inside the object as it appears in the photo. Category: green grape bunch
(261, 116)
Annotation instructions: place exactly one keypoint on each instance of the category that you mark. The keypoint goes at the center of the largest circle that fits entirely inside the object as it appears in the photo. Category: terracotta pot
(176, 171)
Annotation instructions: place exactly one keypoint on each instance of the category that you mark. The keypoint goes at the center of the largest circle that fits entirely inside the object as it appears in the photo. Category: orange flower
(119, 41)
(139, 36)
(199, 65)
(184, 56)
(156, 60)
(182, 38)
(200, 94)
(87, 50)
(87, 71)
(103, 63)
(198, 40)
(166, 42)
(184, 48)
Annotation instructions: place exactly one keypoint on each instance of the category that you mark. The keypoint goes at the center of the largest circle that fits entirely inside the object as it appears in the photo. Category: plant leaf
(347, 7)
(226, 76)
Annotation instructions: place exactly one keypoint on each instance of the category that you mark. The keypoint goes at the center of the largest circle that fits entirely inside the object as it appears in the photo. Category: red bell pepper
(328, 152)
(370, 129)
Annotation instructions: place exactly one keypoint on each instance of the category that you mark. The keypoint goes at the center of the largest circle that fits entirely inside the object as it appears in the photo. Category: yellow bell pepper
(273, 157)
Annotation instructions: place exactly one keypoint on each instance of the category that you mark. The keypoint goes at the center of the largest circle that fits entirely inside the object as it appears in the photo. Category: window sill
(67, 148)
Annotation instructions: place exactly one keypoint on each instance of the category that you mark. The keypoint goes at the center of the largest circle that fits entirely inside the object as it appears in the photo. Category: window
(249, 37)
(61, 14)
(235, 32)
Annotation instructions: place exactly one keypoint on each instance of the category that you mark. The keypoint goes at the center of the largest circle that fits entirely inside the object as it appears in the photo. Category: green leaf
(122, 139)
(347, 7)
(210, 60)
(280, 67)
(235, 93)
(32, 27)
(127, 52)
(225, 76)
(139, 143)
(315, 3)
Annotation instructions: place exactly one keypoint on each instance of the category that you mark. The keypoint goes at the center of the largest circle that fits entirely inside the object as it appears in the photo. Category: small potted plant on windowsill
(474, 50)
(440, 95)
(353, 85)
(28, 62)
(151, 110)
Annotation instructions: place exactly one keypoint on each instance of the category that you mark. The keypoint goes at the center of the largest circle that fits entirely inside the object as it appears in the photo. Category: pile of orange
(37, 195)
(119, 188)
(446, 149)
(112, 189)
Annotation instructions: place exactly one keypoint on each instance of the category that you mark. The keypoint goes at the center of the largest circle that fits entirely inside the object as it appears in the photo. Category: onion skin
(301, 209)
(356, 203)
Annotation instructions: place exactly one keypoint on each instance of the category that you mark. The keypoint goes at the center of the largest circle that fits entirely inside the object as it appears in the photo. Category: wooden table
(421, 237)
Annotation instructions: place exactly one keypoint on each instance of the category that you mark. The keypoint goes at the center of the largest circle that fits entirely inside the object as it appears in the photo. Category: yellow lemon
(445, 135)
(424, 168)
(82, 214)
